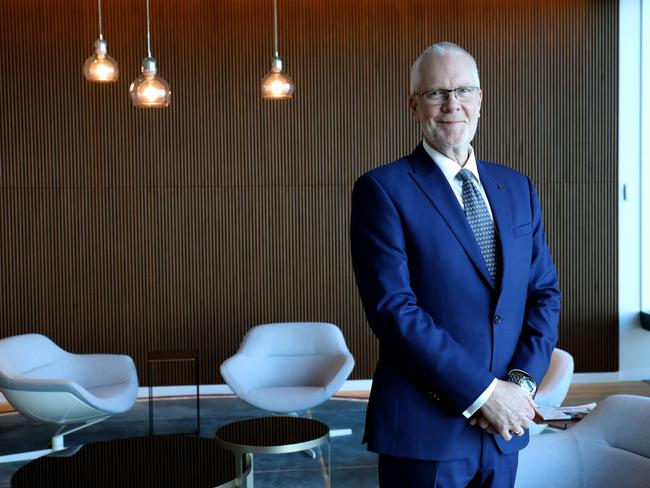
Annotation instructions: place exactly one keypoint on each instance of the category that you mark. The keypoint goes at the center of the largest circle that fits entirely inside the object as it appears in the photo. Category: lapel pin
(500, 186)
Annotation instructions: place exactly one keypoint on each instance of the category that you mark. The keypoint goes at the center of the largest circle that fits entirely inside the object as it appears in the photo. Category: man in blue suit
(458, 285)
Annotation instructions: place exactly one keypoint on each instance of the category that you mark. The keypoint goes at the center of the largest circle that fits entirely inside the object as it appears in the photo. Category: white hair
(437, 50)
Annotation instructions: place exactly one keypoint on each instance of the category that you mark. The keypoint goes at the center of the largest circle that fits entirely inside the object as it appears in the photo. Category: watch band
(525, 381)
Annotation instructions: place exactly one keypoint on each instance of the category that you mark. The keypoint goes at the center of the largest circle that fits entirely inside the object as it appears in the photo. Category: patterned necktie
(480, 221)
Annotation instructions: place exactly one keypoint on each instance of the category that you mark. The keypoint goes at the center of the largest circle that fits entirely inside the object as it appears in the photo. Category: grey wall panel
(126, 230)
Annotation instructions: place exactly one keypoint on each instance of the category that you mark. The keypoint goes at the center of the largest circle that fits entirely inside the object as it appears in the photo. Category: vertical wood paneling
(126, 230)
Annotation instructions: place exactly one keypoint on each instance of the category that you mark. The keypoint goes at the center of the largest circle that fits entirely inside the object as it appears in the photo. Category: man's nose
(451, 103)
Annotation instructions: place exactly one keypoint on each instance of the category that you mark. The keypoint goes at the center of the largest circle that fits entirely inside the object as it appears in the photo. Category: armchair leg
(24, 456)
(56, 443)
(340, 432)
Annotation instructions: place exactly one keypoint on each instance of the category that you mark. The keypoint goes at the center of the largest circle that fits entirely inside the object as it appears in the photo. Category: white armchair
(557, 380)
(46, 383)
(610, 447)
(555, 384)
(288, 367)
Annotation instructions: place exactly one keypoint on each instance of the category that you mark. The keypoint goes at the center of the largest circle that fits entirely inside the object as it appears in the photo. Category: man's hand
(508, 410)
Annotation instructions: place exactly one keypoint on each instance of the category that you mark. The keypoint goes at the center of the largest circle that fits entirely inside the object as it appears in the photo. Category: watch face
(525, 382)
(528, 384)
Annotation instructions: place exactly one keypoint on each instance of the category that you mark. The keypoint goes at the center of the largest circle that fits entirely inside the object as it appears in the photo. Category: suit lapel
(497, 194)
(430, 179)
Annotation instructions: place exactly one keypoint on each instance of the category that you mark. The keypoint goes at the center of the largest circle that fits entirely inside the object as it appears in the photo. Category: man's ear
(412, 104)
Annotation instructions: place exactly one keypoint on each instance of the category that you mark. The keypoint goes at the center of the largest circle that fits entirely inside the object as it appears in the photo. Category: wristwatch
(524, 380)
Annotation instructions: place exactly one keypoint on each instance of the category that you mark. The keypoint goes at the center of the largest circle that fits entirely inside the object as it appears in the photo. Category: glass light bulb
(277, 85)
(150, 91)
(101, 68)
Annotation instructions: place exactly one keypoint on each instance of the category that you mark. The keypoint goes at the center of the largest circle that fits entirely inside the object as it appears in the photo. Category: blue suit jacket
(445, 329)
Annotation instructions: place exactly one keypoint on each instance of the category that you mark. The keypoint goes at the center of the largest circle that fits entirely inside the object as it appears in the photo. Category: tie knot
(464, 175)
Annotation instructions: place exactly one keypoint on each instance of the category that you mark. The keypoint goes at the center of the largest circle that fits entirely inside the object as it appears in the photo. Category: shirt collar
(449, 167)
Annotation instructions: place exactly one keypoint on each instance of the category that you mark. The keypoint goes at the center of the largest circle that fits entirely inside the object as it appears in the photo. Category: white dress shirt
(450, 169)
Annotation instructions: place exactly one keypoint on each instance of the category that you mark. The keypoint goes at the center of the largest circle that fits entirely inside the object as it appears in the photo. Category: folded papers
(576, 412)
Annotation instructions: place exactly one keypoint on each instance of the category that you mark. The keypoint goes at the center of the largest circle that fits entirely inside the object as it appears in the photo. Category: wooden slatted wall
(127, 230)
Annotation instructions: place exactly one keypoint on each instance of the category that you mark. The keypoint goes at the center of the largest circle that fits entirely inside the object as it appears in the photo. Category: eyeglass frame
(454, 91)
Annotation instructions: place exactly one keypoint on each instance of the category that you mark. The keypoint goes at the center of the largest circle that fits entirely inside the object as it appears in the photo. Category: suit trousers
(489, 468)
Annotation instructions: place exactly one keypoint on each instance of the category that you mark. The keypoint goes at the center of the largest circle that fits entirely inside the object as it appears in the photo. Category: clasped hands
(509, 410)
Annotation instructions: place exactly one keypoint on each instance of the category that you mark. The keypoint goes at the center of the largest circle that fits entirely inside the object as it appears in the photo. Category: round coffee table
(136, 462)
(271, 435)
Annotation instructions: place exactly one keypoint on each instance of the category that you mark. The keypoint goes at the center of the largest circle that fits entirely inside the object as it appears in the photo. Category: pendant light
(276, 84)
(100, 67)
(149, 90)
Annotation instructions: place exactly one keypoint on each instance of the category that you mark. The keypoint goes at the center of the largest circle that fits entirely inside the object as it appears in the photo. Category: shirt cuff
(478, 403)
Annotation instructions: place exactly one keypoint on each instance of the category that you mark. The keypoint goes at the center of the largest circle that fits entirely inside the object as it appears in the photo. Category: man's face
(450, 124)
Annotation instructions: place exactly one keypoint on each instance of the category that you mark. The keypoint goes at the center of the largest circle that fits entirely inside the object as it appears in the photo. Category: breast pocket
(523, 230)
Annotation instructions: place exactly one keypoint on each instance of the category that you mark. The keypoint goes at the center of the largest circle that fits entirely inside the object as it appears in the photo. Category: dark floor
(351, 464)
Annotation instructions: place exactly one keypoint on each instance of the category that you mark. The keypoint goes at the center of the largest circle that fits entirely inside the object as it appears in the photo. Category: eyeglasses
(439, 96)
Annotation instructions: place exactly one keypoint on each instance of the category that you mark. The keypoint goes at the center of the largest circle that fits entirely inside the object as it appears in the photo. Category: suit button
(497, 319)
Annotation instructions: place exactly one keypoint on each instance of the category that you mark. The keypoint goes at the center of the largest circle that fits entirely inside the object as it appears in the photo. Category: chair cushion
(606, 466)
(116, 398)
(104, 381)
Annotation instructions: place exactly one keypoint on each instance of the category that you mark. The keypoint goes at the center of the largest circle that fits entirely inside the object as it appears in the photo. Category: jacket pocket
(522, 230)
